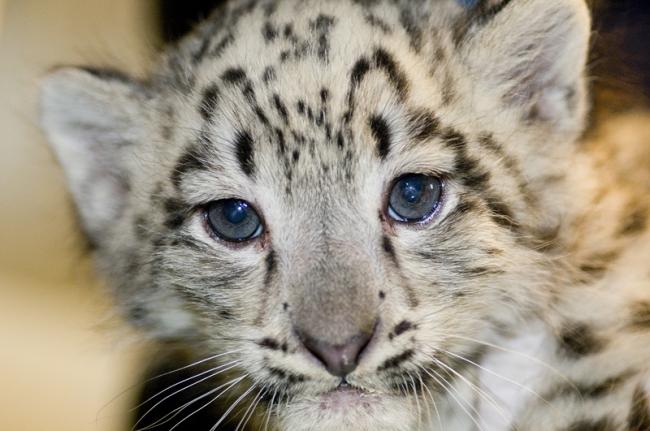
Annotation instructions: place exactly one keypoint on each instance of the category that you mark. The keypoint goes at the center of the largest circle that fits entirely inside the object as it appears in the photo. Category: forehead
(306, 92)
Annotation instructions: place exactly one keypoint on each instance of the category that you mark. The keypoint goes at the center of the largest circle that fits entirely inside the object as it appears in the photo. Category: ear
(533, 53)
(92, 118)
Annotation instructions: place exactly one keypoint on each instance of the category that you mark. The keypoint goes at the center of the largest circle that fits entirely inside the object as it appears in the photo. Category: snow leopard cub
(372, 215)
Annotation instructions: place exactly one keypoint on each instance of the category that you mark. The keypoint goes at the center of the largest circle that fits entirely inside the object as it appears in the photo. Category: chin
(349, 410)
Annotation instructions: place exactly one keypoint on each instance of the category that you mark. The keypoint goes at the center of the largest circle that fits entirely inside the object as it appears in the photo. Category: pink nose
(339, 360)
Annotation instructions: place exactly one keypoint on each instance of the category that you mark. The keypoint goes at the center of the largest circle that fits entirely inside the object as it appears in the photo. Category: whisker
(477, 389)
(232, 407)
(159, 376)
(231, 385)
(417, 401)
(178, 410)
(180, 383)
(269, 409)
(433, 401)
(504, 378)
(450, 389)
(229, 366)
(251, 408)
(524, 355)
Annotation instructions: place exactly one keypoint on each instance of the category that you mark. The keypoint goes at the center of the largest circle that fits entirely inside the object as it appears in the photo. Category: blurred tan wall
(62, 356)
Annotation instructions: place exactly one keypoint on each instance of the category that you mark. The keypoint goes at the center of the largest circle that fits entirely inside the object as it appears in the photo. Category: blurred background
(65, 359)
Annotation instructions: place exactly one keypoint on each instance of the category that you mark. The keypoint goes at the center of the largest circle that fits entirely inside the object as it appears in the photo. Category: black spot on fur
(640, 312)
(639, 417)
(323, 24)
(108, 74)
(389, 249)
(269, 32)
(300, 107)
(281, 108)
(577, 340)
(385, 61)
(245, 156)
(378, 23)
(359, 71)
(281, 141)
(382, 134)
(269, 343)
(603, 424)
(271, 266)
(590, 390)
(382, 294)
(635, 222)
(396, 361)
(269, 75)
(324, 95)
(479, 16)
(221, 46)
(175, 212)
(285, 306)
(422, 125)
(402, 327)
(340, 141)
(409, 23)
(234, 75)
(190, 161)
(295, 156)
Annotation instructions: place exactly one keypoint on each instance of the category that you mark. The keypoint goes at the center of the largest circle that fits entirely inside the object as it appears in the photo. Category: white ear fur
(90, 118)
(533, 53)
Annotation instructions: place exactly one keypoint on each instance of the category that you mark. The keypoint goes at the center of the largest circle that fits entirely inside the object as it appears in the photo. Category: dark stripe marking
(577, 340)
(245, 155)
(396, 361)
(603, 424)
(382, 134)
(190, 161)
(209, 102)
(639, 417)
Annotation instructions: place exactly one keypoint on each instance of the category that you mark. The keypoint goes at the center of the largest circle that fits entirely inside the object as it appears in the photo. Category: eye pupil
(235, 211)
(414, 198)
(233, 220)
(411, 191)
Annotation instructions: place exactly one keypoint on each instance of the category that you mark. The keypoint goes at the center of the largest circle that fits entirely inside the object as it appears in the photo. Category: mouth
(346, 396)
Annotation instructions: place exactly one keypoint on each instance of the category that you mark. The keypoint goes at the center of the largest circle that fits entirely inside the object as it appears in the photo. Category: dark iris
(233, 220)
(414, 198)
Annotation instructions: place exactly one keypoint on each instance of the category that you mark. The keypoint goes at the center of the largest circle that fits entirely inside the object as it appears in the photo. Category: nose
(339, 359)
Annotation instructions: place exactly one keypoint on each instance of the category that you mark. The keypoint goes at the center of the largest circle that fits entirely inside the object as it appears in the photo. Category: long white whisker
(228, 366)
(433, 401)
(523, 355)
(159, 376)
(449, 388)
(230, 386)
(487, 370)
(478, 390)
(211, 370)
(231, 408)
(178, 410)
(251, 409)
(417, 401)
(269, 409)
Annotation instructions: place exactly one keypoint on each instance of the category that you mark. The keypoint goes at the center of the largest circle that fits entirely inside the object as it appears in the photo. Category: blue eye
(233, 220)
(468, 3)
(414, 198)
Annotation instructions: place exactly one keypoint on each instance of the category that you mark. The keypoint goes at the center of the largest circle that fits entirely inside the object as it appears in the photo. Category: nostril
(339, 359)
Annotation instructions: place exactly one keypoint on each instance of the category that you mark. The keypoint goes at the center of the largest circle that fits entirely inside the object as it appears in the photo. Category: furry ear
(91, 118)
(533, 53)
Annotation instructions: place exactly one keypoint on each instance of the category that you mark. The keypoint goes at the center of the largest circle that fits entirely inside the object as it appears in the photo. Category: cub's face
(337, 202)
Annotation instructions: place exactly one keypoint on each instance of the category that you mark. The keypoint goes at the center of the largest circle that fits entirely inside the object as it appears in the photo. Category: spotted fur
(530, 283)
